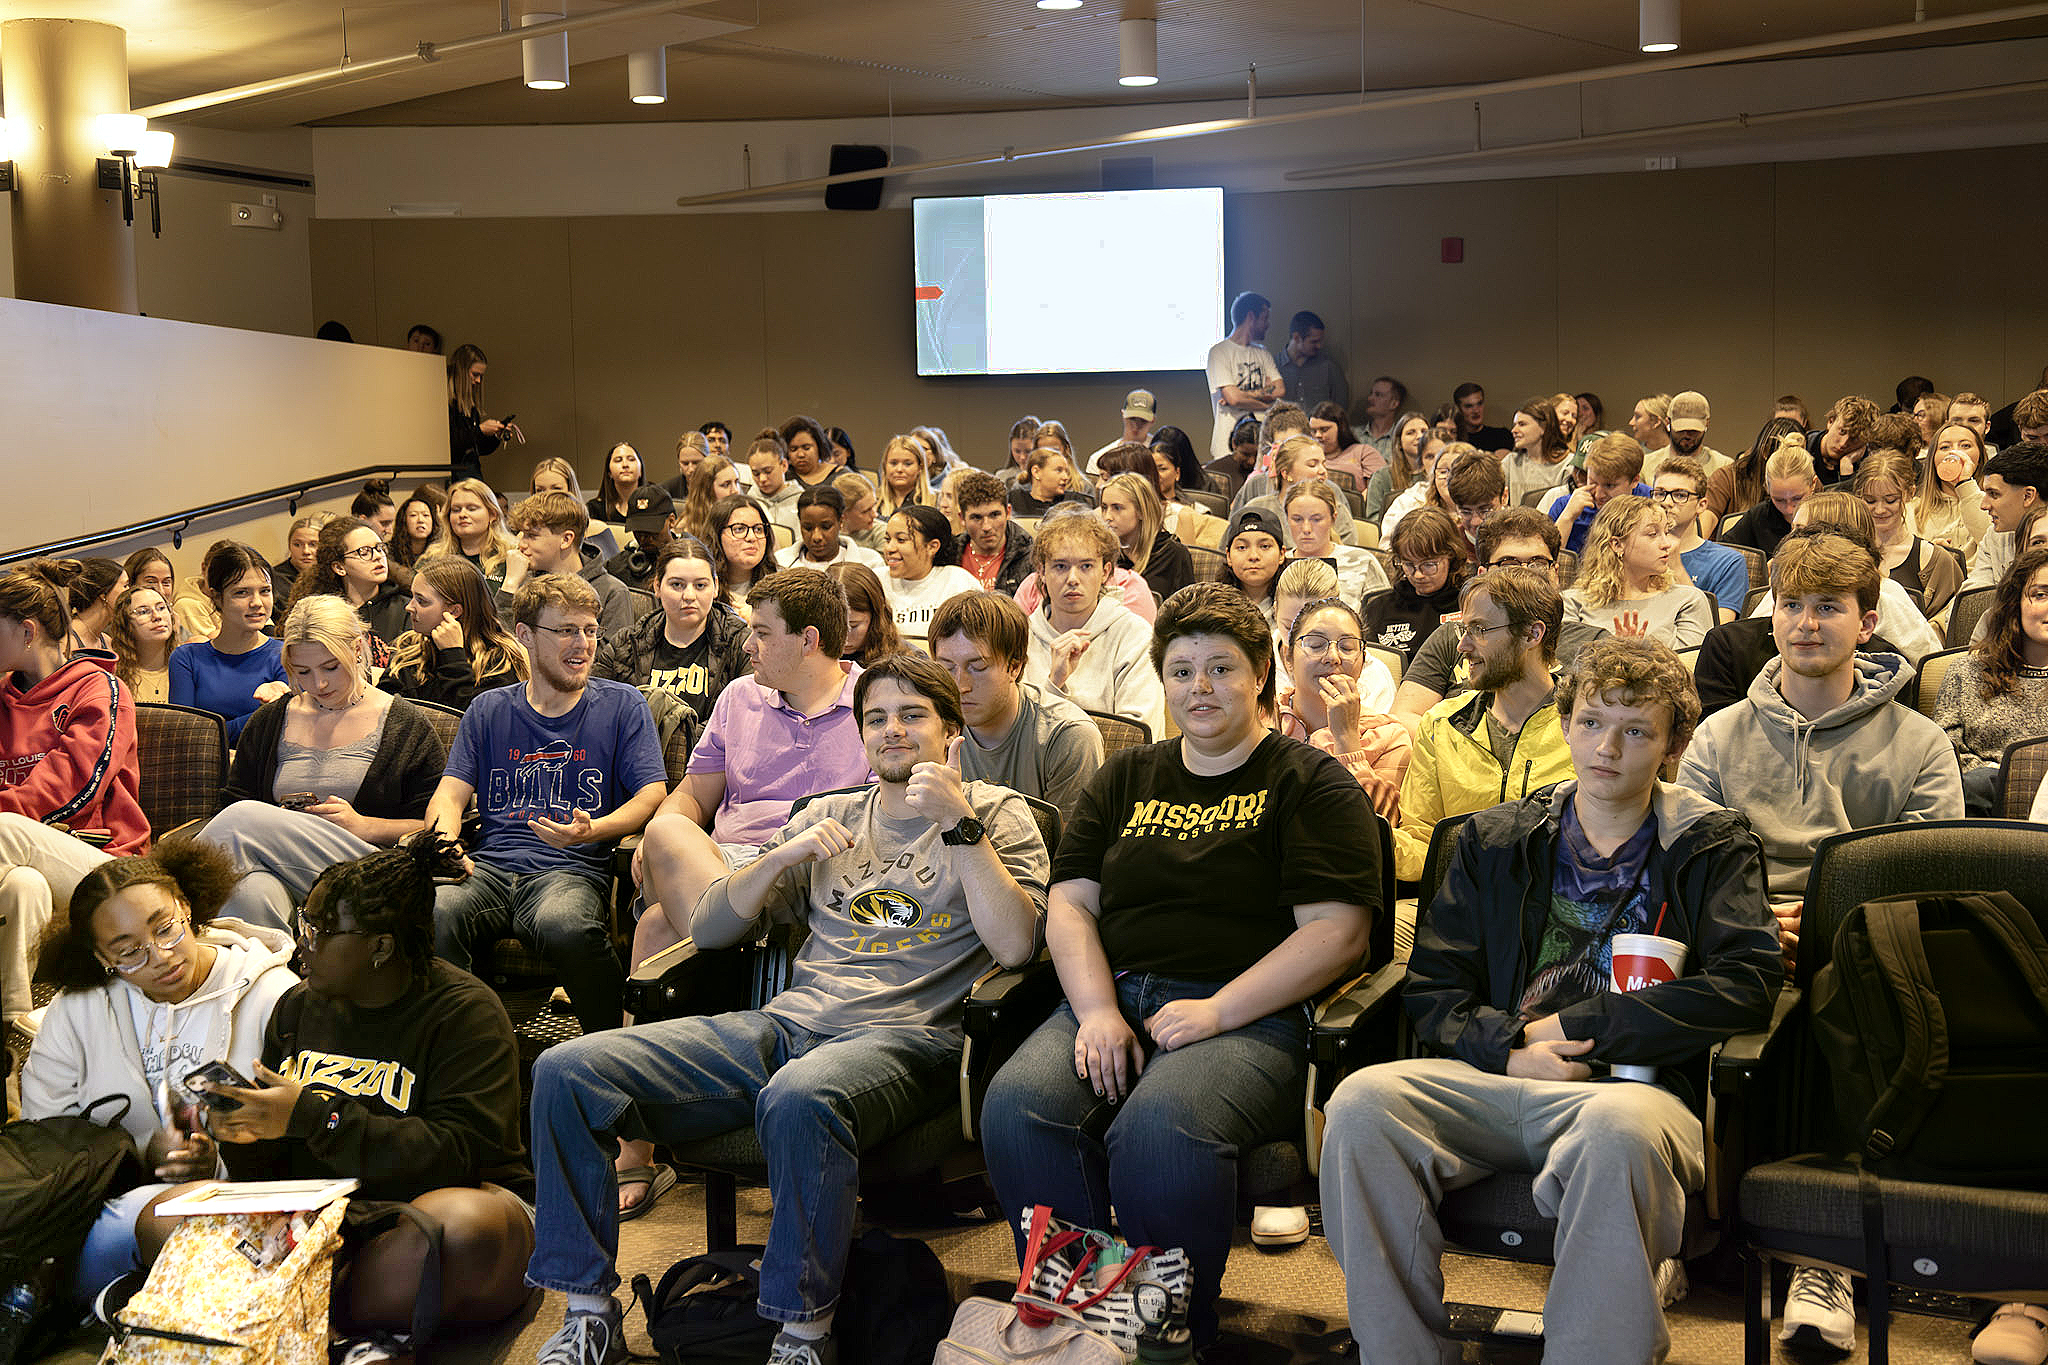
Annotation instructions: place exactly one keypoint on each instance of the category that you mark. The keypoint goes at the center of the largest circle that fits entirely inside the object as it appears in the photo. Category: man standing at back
(1821, 745)
(1018, 736)
(1470, 401)
(1141, 410)
(1242, 376)
(1311, 373)
(562, 768)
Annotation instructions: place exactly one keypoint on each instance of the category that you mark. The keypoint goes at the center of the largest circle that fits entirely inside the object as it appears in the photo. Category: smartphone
(217, 1073)
(297, 800)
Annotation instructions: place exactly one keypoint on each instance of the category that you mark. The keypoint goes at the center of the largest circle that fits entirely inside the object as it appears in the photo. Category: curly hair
(324, 578)
(390, 892)
(1603, 577)
(2001, 649)
(199, 875)
(127, 649)
(1632, 672)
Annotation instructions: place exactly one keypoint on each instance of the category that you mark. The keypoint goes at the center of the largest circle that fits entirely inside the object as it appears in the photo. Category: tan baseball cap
(1140, 403)
(1689, 411)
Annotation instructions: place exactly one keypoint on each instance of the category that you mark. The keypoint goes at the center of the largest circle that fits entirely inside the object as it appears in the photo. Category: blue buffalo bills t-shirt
(527, 766)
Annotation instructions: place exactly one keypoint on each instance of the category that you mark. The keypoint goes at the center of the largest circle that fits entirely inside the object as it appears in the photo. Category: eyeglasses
(1674, 495)
(747, 532)
(1468, 631)
(1347, 646)
(1533, 562)
(313, 938)
(366, 553)
(1421, 566)
(573, 632)
(134, 959)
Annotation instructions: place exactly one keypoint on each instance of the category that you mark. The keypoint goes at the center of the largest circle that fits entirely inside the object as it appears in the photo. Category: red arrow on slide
(925, 293)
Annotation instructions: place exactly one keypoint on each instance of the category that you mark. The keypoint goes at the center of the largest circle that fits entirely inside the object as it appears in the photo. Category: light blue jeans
(816, 1101)
(110, 1251)
(1166, 1158)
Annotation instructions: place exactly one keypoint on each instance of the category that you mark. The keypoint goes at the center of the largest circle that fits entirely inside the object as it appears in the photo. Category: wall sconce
(134, 152)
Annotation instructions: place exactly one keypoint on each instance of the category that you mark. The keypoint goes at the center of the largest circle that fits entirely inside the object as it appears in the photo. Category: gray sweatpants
(283, 852)
(1613, 1161)
(39, 869)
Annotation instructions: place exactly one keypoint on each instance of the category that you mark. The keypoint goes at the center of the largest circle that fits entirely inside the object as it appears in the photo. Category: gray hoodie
(89, 1047)
(1870, 761)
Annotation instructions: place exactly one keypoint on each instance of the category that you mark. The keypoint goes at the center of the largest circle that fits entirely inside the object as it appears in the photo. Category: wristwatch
(968, 831)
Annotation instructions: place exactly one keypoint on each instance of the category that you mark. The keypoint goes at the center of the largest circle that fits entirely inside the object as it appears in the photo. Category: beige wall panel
(1492, 319)
(504, 284)
(1666, 284)
(668, 331)
(204, 269)
(1296, 250)
(167, 415)
(344, 278)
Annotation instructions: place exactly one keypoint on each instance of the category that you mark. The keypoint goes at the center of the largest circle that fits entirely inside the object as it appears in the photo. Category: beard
(896, 769)
(1687, 442)
(1493, 675)
(556, 675)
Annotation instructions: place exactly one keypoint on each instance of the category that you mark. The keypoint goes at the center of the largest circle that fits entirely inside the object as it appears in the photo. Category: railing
(179, 521)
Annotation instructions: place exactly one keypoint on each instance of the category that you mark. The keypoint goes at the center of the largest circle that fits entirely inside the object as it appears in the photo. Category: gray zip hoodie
(88, 1046)
(1870, 761)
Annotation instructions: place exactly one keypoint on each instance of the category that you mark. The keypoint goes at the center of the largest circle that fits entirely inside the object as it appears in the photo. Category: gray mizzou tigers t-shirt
(891, 942)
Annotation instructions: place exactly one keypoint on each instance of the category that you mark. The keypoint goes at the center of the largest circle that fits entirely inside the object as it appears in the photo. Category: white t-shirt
(1246, 367)
(849, 553)
(916, 603)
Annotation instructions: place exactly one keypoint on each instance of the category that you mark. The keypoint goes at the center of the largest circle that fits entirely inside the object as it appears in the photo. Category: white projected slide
(1065, 283)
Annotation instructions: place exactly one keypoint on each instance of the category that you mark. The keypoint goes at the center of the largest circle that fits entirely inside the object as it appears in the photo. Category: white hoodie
(1114, 675)
(90, 1044)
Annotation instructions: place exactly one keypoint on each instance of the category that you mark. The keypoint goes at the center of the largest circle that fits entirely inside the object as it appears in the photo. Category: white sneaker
(1276, 1226)
(1820, 1310)
(1672, 1284)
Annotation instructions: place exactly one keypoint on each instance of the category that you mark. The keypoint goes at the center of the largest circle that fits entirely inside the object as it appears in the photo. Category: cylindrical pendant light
(1137, 51)
(545, 60)
(647, 76)
(1657, 25)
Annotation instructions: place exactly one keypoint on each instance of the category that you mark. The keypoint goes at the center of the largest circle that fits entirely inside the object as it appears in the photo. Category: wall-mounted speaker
(862, 195)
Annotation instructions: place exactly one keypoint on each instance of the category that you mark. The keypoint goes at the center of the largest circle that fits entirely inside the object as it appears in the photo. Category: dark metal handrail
(292, 492)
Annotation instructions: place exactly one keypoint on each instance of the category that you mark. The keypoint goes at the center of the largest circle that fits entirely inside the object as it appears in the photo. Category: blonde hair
(1309, 579)
(1151, 514)
(1933, 499)
(497, 544)
(1603, 576)
(555, 464)
(695, 512)
(1790, 462)
(331, 623)
(920, 495)
(1289, 451)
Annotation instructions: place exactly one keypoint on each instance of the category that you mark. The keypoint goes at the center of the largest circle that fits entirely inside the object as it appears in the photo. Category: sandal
(659, 1180)
(2016, 1335)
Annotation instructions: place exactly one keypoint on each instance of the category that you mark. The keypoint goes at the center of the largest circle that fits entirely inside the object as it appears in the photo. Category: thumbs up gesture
(936, 791)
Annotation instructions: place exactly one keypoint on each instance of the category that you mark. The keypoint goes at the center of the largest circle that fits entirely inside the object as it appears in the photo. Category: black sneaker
(587, 1339)
(795, 1350)
(114, 1297)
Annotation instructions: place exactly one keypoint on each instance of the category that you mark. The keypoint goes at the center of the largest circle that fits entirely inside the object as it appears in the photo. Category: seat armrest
(1738, 1060)
(1003, 1007)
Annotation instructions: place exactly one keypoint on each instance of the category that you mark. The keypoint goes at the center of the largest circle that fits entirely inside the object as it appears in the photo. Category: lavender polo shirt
(772, 757)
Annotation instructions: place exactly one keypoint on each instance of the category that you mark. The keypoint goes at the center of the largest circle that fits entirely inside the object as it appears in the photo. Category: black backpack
(894, 1307)
(54, 1175)
(1933, 1018)
(702, 1312)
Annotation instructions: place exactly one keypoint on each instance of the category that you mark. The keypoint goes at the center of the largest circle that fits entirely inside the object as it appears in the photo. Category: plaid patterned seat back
(182, 754)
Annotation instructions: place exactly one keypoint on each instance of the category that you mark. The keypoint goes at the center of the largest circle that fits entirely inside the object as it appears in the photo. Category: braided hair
(391, 892)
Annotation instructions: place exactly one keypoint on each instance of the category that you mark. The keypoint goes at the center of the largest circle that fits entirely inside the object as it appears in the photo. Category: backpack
(1933, 1020)
(702, 1312)
(54, 1175)
(894, 1307)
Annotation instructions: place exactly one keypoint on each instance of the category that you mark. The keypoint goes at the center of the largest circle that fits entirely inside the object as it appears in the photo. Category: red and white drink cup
(1644, 960)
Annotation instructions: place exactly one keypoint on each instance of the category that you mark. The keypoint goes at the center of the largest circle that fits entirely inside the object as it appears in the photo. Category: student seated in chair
(1517, 1033)
(908, 889)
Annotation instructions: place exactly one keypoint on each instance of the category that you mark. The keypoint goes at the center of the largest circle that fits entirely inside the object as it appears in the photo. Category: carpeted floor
(1279, 1307)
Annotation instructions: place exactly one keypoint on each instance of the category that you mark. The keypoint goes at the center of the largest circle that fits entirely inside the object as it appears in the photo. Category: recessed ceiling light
(1059, 4)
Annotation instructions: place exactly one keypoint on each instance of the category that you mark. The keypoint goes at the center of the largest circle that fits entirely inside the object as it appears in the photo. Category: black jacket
(467, 445)
(1734, 653)
(404, 773)
(628, 656)
(1761, 528)
(1016, 565)
(1475, 945)
(446, 678)
(1170, 568)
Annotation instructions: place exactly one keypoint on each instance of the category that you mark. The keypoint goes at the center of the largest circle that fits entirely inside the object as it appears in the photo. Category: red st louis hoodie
(67, 752)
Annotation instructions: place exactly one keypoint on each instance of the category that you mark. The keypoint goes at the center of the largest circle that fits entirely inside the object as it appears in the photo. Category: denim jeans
(110, 1251)
(816, 1101)
(1166, 1158)
(560, 914)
